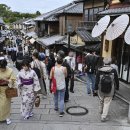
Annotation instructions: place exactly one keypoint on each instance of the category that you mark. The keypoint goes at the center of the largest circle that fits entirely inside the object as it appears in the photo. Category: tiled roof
(86, 36)
(115, 11)
(77, 48)
(69, 8)
(31, 34)
(20, 21)
(76, 1)
(48, 41)
(29, 22)
(74, 8)
(50, 14)
(95, 47)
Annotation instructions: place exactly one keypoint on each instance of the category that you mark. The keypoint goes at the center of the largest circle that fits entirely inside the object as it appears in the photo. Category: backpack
(65, 64)
(90, 64)
(107, 81)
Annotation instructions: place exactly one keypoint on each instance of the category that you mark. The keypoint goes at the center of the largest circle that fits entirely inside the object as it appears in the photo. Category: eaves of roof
(115, 11)
(86, 36)
(21, 21)
(52, 40)
(74, 8)
(71, 8)
(49, 14)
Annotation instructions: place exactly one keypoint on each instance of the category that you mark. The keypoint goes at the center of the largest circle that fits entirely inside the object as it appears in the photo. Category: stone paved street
(45, 118)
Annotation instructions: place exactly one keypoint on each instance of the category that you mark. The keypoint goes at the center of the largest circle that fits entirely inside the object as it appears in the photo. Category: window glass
(86, 15)
(90, 14)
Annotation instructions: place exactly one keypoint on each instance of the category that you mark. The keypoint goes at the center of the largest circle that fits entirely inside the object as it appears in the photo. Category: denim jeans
(66, 91)
(59, 99)
(90, 79)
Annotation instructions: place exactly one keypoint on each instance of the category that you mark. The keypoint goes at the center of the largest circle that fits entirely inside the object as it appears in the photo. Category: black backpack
(90, 64)
(65, 64)
(107, 81)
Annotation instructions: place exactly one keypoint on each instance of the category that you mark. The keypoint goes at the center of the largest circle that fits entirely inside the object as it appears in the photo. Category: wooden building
(53, 24)
(118, 48)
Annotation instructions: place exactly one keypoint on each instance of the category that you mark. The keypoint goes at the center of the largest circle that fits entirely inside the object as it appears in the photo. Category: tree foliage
(9, 16)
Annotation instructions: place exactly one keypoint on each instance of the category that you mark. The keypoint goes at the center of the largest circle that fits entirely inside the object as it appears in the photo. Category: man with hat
(106, 83)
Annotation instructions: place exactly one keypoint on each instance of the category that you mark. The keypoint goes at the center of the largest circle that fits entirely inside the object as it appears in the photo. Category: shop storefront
(121, 51)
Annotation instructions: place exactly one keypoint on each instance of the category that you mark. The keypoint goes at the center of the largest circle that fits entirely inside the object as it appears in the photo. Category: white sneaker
(44, 97)
(8, 121)
(26, 118)
(31, 114)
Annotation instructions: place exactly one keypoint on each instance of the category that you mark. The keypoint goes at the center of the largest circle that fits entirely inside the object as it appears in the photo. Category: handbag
(11, 92)
(53, 83)
(37, 101)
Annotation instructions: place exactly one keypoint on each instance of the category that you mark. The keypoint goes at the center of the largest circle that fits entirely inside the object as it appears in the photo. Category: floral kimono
(28, 84)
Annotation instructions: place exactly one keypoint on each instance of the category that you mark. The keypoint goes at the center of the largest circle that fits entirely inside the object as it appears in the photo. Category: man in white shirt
(71, 61)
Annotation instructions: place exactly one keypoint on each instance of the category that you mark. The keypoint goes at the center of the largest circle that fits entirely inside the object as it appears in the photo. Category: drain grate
(77, 110)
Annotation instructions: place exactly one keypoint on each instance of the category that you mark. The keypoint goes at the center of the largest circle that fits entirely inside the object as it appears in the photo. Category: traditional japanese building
(117, 48)
(51, 27)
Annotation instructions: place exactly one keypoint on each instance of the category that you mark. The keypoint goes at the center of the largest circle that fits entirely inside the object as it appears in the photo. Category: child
(28, 85)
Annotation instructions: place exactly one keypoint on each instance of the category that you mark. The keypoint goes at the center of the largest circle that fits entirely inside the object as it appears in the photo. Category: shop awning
(94, 47)
(86, 36)
(52, 40)
(31, 34)
(77, 48)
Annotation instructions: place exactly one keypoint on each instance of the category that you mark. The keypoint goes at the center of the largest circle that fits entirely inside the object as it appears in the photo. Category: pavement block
(27, 126)
(3, 126)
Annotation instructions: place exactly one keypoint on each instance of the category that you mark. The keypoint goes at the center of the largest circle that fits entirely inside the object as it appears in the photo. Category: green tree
(10, 16)
(38, 13)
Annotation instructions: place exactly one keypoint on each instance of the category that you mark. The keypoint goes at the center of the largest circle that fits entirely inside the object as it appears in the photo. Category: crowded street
(65, 65)
(45, 118)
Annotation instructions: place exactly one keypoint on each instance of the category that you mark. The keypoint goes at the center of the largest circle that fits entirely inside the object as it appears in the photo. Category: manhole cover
(77, 110)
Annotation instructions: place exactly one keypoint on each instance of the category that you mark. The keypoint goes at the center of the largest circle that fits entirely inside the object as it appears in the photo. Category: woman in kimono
(7, 78)
(28, 85)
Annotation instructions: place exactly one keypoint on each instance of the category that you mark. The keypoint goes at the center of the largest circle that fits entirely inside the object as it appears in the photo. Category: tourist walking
(71, 61)
(19, 58)
(40, 70)
(106, 82)
(28, 85)
(50, 63)
(7, 78)
(90, 65)
(67, 78)
(59, 73)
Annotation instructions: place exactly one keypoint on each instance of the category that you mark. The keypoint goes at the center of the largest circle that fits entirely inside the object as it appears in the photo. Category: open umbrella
(32, 40)
(117, 27)
(100, 26)
(127, 36)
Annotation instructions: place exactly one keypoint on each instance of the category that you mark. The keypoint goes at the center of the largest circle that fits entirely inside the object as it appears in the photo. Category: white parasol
(32, 40)
(117, 27)
(100, 26)
(127, 36)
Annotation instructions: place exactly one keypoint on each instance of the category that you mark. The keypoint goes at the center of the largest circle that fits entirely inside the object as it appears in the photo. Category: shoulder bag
(11, 92)
(53, 82)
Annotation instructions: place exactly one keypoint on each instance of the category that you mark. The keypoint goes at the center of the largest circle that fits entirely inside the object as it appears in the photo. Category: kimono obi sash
(27, 81)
